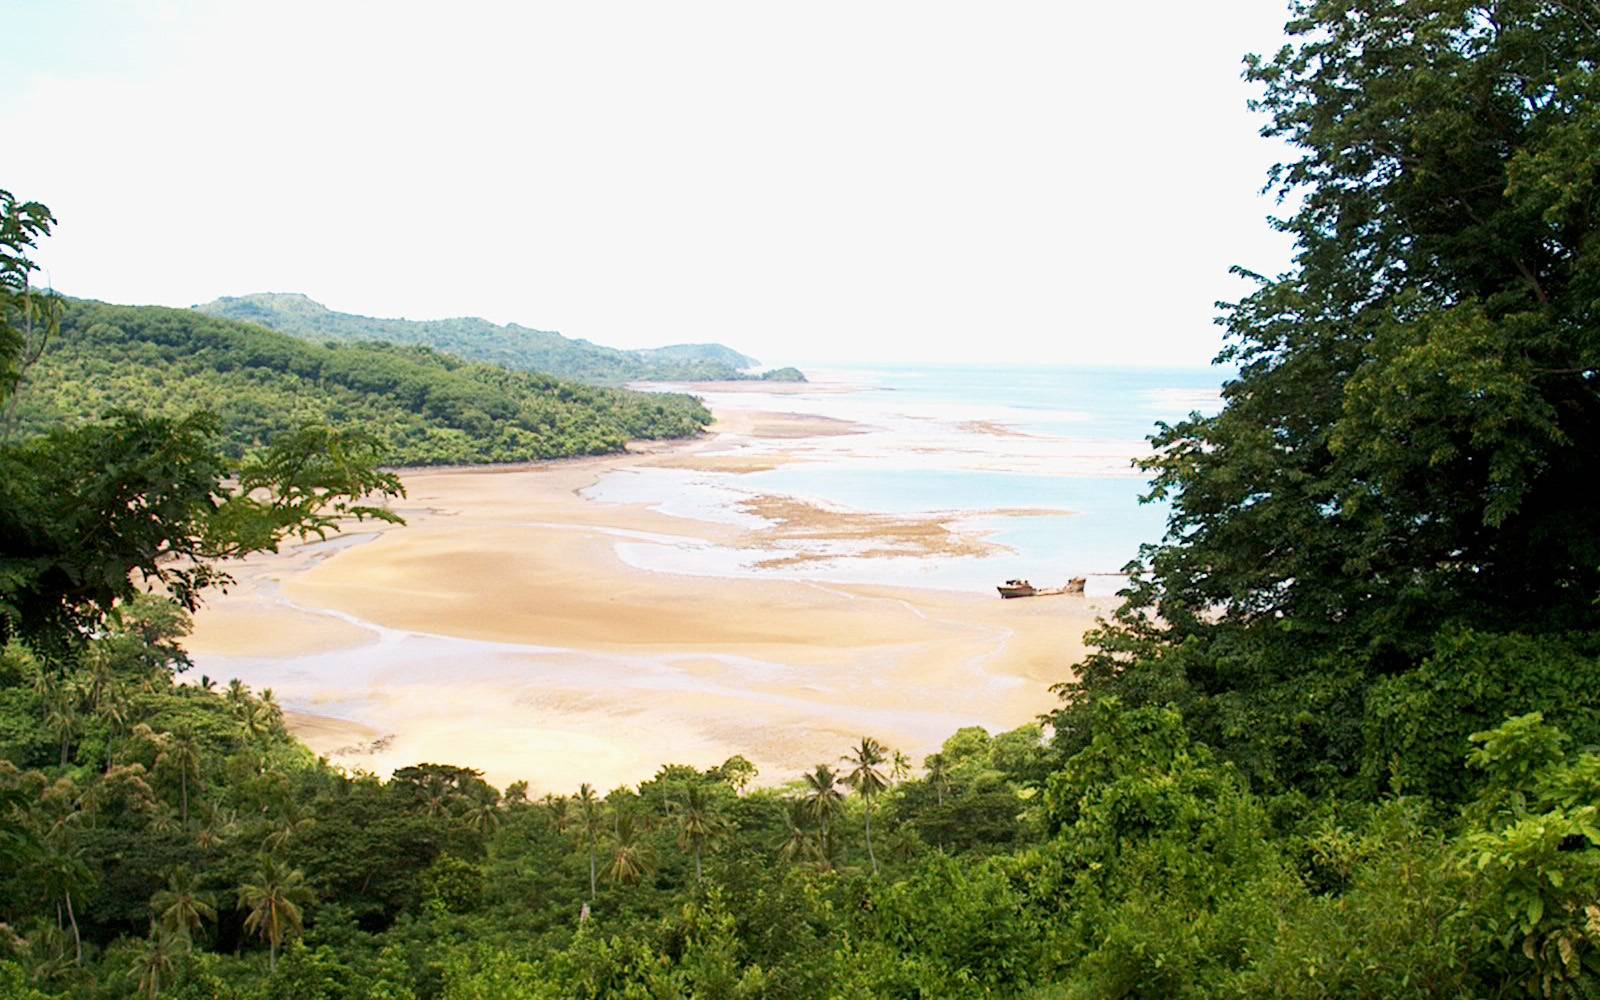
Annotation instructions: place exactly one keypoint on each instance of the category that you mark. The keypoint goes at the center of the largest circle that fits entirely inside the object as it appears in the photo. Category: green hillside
(476, 339)
(425, 407)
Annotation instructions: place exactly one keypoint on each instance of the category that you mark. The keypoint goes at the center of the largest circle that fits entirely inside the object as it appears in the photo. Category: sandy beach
(500, 629)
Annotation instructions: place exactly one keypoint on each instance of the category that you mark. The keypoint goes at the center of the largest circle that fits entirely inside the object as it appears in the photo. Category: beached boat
(1022, 588)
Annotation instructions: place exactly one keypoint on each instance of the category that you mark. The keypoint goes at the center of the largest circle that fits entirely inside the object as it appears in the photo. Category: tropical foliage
(418, 406)
(1340, 741)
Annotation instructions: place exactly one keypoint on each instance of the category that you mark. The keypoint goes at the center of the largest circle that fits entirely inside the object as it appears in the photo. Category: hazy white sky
(995, 181)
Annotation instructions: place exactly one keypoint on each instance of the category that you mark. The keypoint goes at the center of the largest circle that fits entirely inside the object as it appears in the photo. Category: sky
(1010, 182)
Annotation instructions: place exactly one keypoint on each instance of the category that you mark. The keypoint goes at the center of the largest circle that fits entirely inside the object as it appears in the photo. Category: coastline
(501, 629)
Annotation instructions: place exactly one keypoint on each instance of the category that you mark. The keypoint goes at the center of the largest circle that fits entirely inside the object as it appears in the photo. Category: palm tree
(868, 781)
(901, 770)
(158, 958)
(62, 718)
(438, 794)
(274, 898)
(181, 754)
(272, 713)
(823, 801)
(938, 774)
(66, 873)
(631, 857)
(291, 823)
(590, 820)
(698, 822)
(557, 807)
(181, 907)
(483, 815)
(237, 696)
(799, 843)
(217, 823)
(99, 674)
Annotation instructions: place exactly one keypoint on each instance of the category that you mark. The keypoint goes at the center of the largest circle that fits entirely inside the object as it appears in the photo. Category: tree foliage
(1396, 457)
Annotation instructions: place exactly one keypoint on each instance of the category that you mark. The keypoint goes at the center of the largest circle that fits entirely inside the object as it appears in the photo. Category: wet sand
(500, 630)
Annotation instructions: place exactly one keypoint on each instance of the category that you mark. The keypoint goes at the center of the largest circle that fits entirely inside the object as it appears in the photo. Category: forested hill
(480, 340)
(425, 407)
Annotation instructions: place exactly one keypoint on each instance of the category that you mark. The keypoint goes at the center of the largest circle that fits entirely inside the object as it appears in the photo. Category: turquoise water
(1117, 403)
(977, 441)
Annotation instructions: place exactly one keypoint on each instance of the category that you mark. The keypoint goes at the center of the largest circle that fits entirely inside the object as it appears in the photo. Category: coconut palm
(558, 808)
(901, 769)
(590, 822)
(698, 822)
(217, 823)
(288, 825)
(64, 875)
(271, 712)
(823, 801)
(799, 843)
(61, 717)
(868, 781)
(273, 899)
(938, 774)
(237, 696)
(157, 959)
(632, 858)
(438, 795)
(181, 755)
(181, 907)
(483, 814)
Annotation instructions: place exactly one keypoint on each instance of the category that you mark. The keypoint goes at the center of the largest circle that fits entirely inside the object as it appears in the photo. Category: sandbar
(500, 629)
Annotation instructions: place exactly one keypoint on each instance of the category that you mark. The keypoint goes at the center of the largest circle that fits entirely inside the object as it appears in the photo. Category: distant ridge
(511, 346)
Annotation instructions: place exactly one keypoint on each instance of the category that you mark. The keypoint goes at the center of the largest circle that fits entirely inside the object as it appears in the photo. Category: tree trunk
(697, 861)
(77, 940)
(871, 856)
(591, 868)
(183, 783)
(272, 955)
(65, 742)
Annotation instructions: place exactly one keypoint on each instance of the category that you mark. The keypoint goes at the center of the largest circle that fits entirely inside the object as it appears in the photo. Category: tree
(1395, 455)
(180, 755)
(591, 823)
(27, 318)
(181, 908)
(483, 815)
(632, 858)
(938, 774)
(901, 768)
(868, 781)
(65, 875)
(738, 772)
(61, 715)
(698, 822)
(800, 842)
(91, 515)
(158, 959)
(273, 901)
(823, 800)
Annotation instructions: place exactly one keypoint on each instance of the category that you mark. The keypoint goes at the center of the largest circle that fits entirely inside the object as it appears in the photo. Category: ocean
(1038, 460)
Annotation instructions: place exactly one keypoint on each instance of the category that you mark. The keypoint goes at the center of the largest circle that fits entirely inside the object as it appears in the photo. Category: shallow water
(935, 440)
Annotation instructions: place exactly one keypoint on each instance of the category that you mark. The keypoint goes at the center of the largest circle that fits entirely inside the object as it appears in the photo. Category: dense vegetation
(510, 346)
(422, 407)
(1341, 741)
